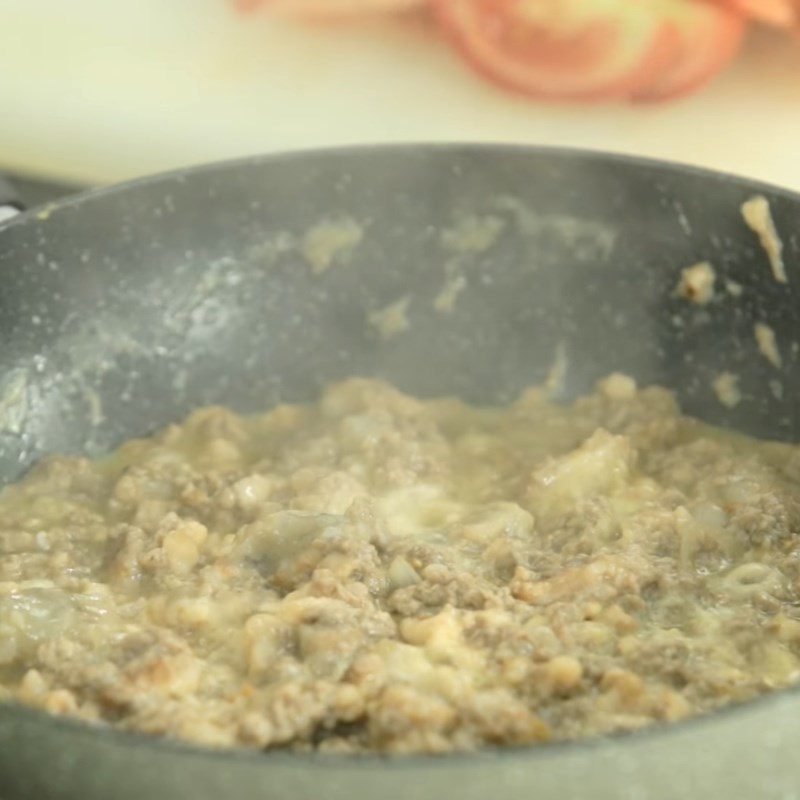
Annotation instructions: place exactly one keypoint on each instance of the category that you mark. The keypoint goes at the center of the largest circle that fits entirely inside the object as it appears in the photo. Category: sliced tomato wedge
(328, 9)
(780, 13)
(707, 36)
(562, 49)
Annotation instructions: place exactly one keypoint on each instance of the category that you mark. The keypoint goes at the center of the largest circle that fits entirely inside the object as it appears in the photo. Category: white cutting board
(101, 90)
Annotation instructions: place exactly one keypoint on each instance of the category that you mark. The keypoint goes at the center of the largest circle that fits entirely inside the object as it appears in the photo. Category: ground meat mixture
(381, 573)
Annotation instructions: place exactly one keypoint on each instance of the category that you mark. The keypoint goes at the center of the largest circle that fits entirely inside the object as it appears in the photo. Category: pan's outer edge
(181, 174)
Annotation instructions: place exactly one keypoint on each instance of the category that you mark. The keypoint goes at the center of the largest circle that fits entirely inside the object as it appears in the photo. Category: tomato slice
(707, 37)
(328, 9)
(780, 13)
(562, 49)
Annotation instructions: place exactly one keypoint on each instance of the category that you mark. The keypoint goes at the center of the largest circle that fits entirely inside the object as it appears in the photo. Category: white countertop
(99, 91)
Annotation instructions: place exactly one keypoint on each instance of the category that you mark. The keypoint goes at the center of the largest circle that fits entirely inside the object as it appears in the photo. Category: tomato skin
(779, 13)
(689, 42)
(705, 47)
(558, 67)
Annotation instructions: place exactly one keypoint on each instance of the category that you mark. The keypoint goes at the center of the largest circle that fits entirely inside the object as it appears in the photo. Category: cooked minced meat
(381, 573)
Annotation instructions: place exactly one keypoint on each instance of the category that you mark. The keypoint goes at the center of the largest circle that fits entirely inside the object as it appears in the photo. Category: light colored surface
(102, 91)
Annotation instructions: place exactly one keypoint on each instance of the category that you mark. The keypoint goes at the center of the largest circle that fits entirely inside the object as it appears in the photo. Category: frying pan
(122, 309)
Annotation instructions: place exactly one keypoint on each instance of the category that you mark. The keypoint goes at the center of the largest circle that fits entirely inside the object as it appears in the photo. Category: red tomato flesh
(593, 49)
(707, 37)
(780, 13)
(560, 49)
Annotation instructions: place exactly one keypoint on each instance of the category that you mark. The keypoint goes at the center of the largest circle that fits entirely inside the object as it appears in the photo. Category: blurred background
(93, 91)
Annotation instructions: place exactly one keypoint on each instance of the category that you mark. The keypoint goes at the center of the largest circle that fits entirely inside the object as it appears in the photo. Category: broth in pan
(376, 572)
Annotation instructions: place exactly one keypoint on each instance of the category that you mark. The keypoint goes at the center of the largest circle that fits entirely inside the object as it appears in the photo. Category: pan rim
(43, 212)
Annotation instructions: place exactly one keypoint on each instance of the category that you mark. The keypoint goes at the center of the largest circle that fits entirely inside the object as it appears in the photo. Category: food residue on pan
(587, 238)
(726, 387)
(329, 241)
(94, 404)
(393, 319)
(445, 301)
(471, 233)
(697, 283)
(758, 215)
(555, 381)
(14, 397)
(45, 211)
(734, 289)
(776, 387)
(768, 344)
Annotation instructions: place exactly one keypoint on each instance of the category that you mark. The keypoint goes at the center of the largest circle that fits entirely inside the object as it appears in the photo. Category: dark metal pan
(121, 309)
